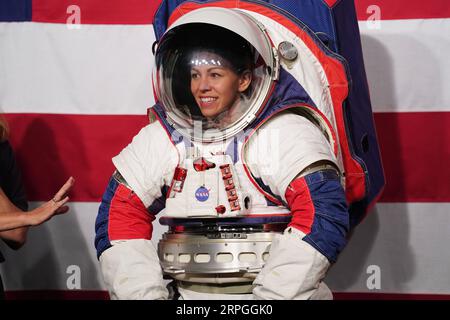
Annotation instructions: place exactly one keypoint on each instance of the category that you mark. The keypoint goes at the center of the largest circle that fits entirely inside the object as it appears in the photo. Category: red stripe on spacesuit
(331, 3)
(336, 75)
(190, 6)
(365, 9)
(128, 217)
(301, 205)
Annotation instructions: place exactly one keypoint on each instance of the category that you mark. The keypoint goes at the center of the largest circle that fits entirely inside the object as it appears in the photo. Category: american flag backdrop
(75, 83)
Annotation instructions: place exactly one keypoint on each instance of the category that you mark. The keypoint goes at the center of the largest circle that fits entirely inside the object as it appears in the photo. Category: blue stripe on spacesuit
(287, 92)
(159, 203)
(267, 189)
(331, 219)
(101, 223)
(232, 149)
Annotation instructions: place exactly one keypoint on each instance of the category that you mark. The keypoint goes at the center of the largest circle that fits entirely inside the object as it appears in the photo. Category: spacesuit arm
(300, 257)
(128, 259)
(302, 171)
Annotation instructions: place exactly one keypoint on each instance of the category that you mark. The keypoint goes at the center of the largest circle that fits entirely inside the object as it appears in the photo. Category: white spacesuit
(251, 184)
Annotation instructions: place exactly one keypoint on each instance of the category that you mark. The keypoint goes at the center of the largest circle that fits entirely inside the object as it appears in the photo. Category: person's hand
(52, 207)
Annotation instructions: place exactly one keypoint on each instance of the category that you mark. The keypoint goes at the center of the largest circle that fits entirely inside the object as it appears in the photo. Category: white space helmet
(214, 70)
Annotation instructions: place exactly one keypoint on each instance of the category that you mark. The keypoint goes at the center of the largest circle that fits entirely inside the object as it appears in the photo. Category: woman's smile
(215, 86)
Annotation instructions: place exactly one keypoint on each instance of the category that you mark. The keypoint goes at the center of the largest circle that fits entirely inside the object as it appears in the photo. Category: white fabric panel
(144, 172)
(131, 271)
(407, 64)
(68, 68)
(283, 147)
(294, 270)
(306, 64)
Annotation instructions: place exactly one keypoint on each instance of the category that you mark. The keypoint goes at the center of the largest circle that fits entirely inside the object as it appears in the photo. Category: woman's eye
(194, 76)
(216, 75)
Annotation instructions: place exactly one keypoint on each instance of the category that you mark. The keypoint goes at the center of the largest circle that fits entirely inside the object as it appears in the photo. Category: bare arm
(14, 238)
(14, 218)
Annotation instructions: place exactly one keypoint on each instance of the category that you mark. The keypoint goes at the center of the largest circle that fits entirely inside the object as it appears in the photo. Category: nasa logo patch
(202, 194)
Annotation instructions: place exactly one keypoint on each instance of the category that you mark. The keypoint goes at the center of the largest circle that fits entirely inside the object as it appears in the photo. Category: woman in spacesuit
(211, 76)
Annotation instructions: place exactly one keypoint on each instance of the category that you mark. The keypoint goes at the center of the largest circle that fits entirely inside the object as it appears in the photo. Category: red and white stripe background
(74, 97)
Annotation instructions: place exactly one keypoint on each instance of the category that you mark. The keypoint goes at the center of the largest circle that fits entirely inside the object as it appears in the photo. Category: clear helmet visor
(220, 88)
(211, 81)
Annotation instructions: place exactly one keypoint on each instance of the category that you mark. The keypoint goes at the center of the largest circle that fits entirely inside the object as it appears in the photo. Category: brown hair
(4, 129)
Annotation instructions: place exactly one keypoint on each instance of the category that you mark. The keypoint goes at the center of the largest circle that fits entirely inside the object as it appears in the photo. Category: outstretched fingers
(61, 195)
(58, 205)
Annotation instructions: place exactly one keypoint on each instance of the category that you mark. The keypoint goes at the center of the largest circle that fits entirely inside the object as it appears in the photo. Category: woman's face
(216, 87)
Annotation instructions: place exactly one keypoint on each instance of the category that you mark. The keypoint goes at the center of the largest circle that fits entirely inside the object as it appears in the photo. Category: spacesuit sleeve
(300, 257)
(146, 161)
(128, 258)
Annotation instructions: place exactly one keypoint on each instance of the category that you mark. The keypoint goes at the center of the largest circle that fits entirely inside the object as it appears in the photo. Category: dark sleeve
(11, 177)
(319, 209)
